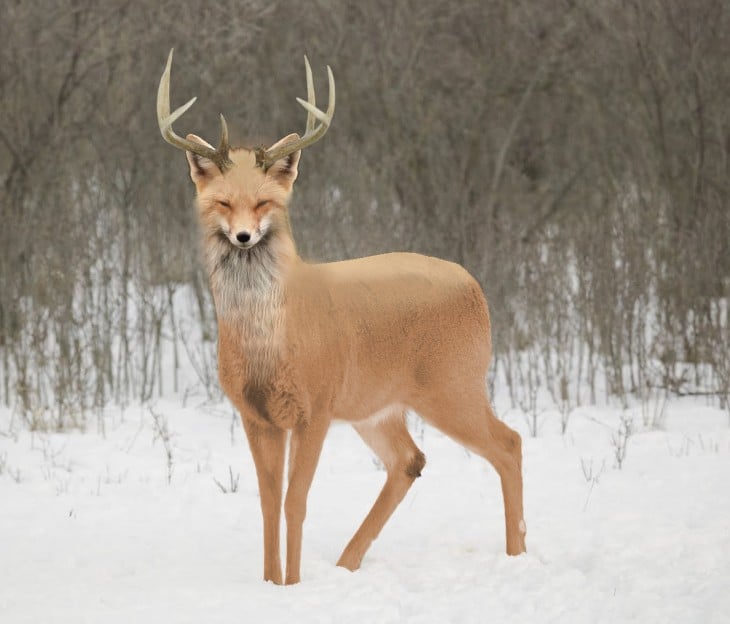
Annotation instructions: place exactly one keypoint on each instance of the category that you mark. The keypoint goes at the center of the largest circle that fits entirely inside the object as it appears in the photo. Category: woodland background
(573, 155)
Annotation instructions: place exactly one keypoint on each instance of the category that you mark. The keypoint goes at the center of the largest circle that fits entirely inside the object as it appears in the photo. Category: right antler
(265, 158)
(165, 120)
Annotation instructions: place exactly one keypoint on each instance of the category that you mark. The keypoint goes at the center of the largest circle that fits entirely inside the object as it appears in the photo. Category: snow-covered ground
(91, 530)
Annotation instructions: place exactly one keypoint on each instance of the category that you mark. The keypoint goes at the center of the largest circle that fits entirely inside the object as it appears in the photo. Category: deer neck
(248, 290)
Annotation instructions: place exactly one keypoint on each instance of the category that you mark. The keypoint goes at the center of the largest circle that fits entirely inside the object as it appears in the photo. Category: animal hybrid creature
(363, 340)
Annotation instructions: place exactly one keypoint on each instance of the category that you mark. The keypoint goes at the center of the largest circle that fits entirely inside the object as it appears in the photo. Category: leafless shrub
(527, 388)
(6, 468)
(653, 405)
(232, 486)
(162, 433)
(202, 355)
(591, 476)
(620, 438)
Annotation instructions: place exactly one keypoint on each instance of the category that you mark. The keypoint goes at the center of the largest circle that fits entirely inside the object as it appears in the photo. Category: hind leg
(505, 454)
(467, 417)
(391, 442)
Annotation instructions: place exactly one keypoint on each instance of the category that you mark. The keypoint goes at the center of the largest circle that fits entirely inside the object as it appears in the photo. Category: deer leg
(268, 447)
(468, 418)
(505, 454)
(304, 451)
(391, 442)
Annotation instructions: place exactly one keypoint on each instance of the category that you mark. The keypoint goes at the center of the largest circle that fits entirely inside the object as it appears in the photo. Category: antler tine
(223, 146)
(165, 119)
(310, 93)
(266, 158)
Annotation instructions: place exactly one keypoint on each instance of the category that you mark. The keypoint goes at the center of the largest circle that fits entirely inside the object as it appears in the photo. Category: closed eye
(263, 202)
(225, 204)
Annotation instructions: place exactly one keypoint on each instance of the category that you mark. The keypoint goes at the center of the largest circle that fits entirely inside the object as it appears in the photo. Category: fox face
(245, 205)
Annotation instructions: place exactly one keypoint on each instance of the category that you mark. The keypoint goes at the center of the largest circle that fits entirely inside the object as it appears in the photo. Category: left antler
(265, 158)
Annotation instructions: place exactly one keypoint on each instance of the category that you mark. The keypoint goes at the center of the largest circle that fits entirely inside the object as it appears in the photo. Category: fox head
(242, 194)
(245, 204)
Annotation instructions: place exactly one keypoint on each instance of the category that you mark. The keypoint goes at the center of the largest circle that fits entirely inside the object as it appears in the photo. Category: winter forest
(573, 155)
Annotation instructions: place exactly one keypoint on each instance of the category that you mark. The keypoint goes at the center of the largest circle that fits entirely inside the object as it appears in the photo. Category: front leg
(268, 447)
(304, 451)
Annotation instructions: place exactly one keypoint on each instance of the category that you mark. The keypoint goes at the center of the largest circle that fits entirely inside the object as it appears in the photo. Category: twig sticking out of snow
(233, 482)
(162, 432)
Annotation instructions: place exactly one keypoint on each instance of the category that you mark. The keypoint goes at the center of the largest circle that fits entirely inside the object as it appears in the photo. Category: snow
(91, 530)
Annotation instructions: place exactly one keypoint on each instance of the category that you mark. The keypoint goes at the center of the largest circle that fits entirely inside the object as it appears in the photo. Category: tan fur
(361, 340)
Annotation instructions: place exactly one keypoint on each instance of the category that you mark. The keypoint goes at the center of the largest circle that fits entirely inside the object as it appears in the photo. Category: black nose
(243, 237)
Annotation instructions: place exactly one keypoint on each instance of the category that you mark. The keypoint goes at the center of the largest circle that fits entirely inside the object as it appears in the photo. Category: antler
(165, 119)
(265, 158)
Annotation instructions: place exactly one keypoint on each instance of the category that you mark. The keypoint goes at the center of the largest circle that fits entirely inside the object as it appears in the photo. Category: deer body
(360, 340)
(382, 327)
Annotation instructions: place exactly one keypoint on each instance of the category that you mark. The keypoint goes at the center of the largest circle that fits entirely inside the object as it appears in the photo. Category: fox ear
(285, 170)
(202, 169)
